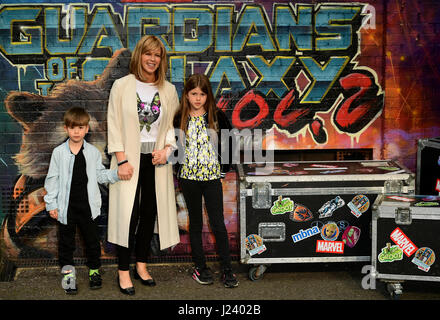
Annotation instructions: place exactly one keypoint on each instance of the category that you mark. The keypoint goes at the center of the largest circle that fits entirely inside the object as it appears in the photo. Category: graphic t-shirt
(149, 113)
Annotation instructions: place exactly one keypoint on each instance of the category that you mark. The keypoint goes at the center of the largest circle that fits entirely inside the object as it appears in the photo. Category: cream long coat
(124, 135)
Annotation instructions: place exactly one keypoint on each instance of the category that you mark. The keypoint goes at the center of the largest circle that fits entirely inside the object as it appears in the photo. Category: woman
(140, 113)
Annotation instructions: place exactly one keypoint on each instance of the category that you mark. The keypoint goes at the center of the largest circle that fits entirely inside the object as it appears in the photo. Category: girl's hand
(125, 171)
(160, 156)
(54, 213)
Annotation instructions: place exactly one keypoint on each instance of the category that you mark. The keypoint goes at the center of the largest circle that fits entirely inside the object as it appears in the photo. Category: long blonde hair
(145, 44)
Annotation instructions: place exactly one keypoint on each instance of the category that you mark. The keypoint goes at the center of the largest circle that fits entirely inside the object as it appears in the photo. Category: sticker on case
(426, 204)
(351, 236)
(254, 244)
(389, 168)
(390, 253)
(424, 258)
(281, 206)
(329, 207)
(290, 165)
(330, 231)
(359, 205)
(400, 198)
(304, 234)
(330, 246)
(403, 242)
(300, 214)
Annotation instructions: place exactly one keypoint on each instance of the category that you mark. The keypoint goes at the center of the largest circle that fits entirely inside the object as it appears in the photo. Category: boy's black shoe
(69, 283)
(203, 275)
(228, 278)
(95, 280)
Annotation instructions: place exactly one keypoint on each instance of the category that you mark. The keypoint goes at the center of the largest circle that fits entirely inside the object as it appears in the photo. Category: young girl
(200, 172)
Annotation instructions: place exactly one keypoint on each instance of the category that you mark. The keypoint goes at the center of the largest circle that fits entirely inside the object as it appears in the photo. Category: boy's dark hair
(76, 116)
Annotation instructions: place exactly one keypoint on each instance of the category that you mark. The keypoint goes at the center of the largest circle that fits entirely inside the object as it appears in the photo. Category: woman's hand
(160, 156)
(125, 171)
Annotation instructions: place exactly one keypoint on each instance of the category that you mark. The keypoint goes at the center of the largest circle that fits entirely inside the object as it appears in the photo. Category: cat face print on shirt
(148, 112)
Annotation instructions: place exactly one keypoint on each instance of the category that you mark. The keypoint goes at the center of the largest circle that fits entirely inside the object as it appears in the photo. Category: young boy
(74, 199)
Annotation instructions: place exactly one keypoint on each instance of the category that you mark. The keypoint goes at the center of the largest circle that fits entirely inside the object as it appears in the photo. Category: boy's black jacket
(223, 123)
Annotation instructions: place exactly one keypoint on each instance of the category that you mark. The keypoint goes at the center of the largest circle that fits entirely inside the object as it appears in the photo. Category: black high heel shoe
(129, 291)
(148, 282)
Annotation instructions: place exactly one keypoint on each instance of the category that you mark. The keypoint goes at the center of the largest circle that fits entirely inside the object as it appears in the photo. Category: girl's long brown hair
(201, 81)
(145, 44)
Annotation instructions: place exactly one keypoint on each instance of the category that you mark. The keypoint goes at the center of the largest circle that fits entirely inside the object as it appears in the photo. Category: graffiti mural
(309, 72)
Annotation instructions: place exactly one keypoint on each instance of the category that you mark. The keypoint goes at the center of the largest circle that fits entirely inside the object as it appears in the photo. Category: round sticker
(254, 244)
(330, 231)
(351, 236)
(359, 205)
(424, 258)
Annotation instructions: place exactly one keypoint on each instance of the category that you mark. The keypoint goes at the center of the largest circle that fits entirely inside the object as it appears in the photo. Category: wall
(310, 74)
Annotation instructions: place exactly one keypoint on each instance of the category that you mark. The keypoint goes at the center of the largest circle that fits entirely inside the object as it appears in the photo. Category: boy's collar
(82, 147)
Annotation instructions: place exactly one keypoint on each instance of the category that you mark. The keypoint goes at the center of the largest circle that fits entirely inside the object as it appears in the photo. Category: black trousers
(79, 215)
(212, 192)
(143, 216)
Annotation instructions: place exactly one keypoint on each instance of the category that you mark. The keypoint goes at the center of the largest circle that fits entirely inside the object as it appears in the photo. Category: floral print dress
(201, 162)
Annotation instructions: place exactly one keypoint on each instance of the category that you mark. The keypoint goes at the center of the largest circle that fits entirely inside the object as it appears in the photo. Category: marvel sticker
(403, 242)
(390, 253)
(351, 236)
(424, 258)
(330, 246)
(254, 244)
(330, 231)
(359, 205)
(281, 206)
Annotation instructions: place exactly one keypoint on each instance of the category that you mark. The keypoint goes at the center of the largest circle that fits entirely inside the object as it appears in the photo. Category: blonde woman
(140, 115)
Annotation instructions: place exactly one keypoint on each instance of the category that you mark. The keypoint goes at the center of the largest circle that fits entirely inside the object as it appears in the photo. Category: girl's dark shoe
(129, 291)
(229, 280)
(203, 275)
(148, 282)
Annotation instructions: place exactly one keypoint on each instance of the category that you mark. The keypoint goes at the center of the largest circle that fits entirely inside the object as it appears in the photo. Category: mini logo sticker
(304, 234)
(351, 236)
(300, 214)
(330, 231)
(281, 206)
(330, 206)
(359, 205)
(400, 198)
(424, 258)
(330, 246)
(390, 253)
(403, 242)
(426, 204)
(254, 244)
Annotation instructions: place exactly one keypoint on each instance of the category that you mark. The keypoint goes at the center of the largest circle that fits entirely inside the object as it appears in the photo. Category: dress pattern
(201, 162)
